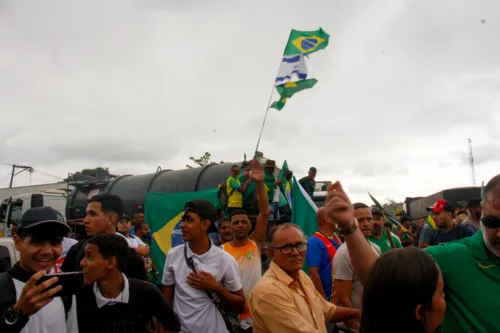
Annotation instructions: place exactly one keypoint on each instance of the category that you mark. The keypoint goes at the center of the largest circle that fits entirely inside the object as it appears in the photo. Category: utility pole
(471, 164)
(14, 173)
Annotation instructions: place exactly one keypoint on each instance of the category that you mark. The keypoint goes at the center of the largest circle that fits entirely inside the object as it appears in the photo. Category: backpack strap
(9, 296)
(67, 302)
(330, 248)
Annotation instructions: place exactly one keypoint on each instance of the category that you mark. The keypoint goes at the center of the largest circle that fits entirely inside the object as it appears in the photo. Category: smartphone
(72, 282)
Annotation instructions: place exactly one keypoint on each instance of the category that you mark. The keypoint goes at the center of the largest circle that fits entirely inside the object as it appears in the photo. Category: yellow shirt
(280, 304)
(234, 200)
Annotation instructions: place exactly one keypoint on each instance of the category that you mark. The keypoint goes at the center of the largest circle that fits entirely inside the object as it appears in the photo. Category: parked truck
(13, 208)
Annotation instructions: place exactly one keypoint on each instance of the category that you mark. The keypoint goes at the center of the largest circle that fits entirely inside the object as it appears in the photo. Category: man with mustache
(348, 287)
(245, 247)
(380, 235)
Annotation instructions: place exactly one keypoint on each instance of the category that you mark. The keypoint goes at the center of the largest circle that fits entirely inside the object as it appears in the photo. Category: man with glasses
(348, 288)
(285, 299)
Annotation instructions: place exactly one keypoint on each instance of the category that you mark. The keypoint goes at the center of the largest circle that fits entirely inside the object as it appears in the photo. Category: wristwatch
(349, 230)
(12, 316)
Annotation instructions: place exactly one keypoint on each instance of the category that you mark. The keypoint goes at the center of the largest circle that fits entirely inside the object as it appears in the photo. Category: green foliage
(202, 161)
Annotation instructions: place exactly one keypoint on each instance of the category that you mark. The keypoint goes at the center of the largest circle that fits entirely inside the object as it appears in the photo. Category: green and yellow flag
(163, 213)
(306, 42)
(288, 89)
(387, 216)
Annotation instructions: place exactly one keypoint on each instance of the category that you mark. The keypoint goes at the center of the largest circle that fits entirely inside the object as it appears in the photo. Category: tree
(98, 173)
(202, 161)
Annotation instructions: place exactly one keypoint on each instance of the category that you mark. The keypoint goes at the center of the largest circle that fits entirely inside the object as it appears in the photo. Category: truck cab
(14, 207)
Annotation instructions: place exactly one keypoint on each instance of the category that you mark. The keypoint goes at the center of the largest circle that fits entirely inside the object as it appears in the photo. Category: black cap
(205, 209)
(376, 211)
(43, 216)
(125, 217)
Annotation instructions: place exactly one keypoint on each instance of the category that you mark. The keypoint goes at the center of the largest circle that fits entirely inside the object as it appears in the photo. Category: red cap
(440, 206)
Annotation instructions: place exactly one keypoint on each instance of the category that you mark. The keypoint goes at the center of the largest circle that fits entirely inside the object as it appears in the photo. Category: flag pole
(271, 97)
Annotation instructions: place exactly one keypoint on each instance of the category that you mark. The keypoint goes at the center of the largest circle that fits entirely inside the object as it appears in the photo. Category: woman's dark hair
(399, 280)
(112, 245)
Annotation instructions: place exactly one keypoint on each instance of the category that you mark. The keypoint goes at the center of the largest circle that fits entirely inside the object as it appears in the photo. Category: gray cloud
(136, 84)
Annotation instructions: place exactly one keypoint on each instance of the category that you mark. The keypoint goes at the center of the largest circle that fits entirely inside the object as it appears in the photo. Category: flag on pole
(164, 212)
(292, 65)
(288, 89)
(286, 186)
(306, 42)
(387, 216)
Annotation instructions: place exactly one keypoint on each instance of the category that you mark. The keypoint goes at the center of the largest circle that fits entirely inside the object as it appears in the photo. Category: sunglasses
(491, 222)
(288, 249)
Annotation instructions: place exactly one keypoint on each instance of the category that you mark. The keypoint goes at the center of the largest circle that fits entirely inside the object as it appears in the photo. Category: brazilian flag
(163, 214)
(306, 42)
(288, 89)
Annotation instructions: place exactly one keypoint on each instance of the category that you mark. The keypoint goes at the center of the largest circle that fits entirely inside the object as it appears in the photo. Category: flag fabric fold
(303, 210)
(289, 89)
(286, 186)
(163, 214)
(292, 65)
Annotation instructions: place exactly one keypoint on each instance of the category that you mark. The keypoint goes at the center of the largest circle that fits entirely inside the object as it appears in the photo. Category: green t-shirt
(248, 193)
(270, 183)
(471, 275)
(383, 242)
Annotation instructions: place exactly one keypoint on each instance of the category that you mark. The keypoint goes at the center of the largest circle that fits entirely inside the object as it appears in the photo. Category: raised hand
(34, 297)
(256, 171)
(338, 207)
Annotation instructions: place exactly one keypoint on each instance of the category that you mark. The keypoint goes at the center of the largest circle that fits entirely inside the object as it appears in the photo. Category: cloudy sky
(133, 84)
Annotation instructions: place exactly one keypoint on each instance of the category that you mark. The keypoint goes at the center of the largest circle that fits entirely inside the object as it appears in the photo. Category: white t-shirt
(343, 270)
(51, 318)
(67, 243)
(196, 311)
(133, 241)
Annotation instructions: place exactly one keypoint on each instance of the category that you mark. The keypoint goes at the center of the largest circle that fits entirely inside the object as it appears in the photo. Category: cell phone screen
(72, 282)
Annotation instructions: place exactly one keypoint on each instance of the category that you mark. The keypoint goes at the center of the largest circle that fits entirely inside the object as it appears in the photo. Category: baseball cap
(39, 216)
(376, 211)
(441, 206)
(205, 209)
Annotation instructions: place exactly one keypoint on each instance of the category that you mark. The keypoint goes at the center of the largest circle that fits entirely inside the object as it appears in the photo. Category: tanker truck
(132, 189)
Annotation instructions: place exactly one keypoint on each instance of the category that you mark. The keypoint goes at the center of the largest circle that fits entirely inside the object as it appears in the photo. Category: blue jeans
(275, 211)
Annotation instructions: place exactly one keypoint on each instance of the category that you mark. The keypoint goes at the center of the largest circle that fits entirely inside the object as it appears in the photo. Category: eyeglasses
(491, 222)
(288, 249)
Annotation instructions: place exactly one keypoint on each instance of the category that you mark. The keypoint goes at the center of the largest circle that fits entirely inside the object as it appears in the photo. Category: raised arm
(257, 175)
(340, 211)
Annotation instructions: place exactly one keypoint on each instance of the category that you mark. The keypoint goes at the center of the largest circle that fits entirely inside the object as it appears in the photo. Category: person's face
(235, 172)
(475, 211)
(144, 230)
(406, 225)
(491, 207)
(365, 220)
(289, 258)
(225, 231)
(311, 175)
(240, 226)
(435, 315)
(96, 221)
(94, 266)
(193, 227)
(442, 219)
(378, 224)
(38, 254)
(123, 226)
(139, 217)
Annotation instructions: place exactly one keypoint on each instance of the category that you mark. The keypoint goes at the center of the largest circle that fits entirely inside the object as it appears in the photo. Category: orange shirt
(250, 266)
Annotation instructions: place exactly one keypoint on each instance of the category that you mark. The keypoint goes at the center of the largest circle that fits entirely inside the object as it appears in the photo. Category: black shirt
(145, 301)
(134, 266)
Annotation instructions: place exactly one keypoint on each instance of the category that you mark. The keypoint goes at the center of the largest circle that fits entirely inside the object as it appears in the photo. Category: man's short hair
(112, 245)
(493, 184)
(313, 170)
(272, 231)
(109, 203)
(404, 218)
(239, 212)
(225, 219)
(234, 166)
(359, 205)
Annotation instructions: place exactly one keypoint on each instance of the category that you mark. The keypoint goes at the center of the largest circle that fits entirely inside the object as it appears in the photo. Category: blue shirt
(458, 232)
(317, 256)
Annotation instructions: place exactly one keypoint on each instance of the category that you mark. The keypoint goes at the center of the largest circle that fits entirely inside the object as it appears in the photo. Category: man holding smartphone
(25, 305)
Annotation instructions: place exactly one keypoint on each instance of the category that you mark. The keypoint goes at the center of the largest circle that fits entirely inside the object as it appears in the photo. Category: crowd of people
(260, 274)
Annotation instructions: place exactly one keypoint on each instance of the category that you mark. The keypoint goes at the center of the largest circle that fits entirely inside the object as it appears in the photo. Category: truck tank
(132, 189)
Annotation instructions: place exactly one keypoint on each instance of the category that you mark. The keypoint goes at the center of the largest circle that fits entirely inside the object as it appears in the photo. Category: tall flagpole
(272, 92)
